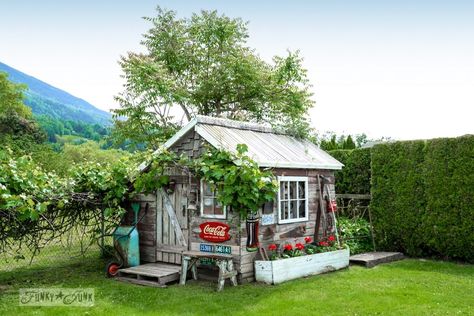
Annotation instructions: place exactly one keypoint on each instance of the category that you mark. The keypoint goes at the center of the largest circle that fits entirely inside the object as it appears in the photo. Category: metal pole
(102, 235)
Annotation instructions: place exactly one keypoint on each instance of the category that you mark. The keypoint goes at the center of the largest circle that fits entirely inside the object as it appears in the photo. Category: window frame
(306, 199)
(224, 207)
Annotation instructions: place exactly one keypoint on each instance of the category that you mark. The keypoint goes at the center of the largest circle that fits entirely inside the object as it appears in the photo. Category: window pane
(294, 209)
(267, 208)
(302, 208)
(284, 190)
(301, 190)
(208, 201)
(208, 206)
(206, 189)
(293, 190)
(284, 210)
(218, 209)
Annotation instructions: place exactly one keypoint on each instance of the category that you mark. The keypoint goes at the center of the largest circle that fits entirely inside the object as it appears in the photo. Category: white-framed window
(210, 207)
(292, 199)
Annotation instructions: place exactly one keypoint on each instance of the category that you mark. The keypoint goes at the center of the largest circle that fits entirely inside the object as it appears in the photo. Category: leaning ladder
(332, 197)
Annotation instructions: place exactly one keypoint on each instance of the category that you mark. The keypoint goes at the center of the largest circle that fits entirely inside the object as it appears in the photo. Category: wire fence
(355, 222)
(353, 213)
(56, 252)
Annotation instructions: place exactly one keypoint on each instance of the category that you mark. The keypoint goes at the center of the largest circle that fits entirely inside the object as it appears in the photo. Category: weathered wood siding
(278, 271)
(191, 145)
(163, 247)
(281, 233)
(146, 227)
(168, 247)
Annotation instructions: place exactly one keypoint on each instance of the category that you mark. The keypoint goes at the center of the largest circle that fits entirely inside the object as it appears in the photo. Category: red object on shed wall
(214, 231)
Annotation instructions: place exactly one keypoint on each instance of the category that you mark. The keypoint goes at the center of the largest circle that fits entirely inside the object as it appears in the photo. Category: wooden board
(152, 274)
(371, 259)
(278, 271)
(139, 282)
(198, 254)
(146, 226)
(171, 224)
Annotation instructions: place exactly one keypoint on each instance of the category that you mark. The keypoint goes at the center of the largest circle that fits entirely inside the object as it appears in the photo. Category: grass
(409, 287)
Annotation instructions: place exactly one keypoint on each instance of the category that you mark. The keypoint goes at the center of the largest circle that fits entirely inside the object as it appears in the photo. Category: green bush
(448, 223)
(354, 178)
(422, 197)
(355, 233)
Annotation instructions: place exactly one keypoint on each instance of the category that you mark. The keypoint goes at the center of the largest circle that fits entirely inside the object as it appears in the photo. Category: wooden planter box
(277, 271)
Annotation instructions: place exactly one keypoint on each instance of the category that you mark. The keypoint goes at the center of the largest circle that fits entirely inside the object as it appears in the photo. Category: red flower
(288, 247)
(272, 247)
(308, 239)
(331, 238)
(299, 246)
(323, 243)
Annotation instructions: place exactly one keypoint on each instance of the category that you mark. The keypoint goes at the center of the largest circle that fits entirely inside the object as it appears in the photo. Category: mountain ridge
(45, 99)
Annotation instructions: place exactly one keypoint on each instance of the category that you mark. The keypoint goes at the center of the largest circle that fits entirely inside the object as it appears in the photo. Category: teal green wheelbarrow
(126, 245)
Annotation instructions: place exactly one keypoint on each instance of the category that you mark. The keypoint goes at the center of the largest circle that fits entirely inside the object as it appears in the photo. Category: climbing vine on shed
(38, 206)
(240, 183)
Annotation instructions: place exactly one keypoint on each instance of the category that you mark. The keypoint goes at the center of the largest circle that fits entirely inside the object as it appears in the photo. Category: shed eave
(296, 165)
(176, 137)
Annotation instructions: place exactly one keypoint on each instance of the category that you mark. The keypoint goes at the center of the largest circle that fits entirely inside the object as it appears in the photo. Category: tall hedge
(398, 199)
(354, 178)
(448, 223)
(422, 197)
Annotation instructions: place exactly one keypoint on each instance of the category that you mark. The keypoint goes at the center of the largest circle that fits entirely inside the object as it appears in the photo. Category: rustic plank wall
(192, 145)
(168, 248)
(291, 233)
(146, 227)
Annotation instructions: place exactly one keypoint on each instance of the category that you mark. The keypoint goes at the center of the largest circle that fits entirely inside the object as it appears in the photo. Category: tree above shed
(203, 65)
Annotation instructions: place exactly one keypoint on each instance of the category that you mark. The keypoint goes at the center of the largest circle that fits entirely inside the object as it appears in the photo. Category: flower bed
(301, 261)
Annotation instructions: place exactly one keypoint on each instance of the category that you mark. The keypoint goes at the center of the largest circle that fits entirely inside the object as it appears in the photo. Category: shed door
(168, 247)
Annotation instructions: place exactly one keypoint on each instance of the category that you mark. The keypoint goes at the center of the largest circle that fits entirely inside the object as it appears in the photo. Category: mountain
(45, 99)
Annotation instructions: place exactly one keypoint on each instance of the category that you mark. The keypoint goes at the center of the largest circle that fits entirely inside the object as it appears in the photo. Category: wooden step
(371, 259)
(152, 274)
(140, 282)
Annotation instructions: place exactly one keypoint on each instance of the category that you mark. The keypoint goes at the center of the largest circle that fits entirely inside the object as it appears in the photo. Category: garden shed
(197, 219)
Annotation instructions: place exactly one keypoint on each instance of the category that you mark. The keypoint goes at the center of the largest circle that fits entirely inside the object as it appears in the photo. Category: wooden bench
(223, 261)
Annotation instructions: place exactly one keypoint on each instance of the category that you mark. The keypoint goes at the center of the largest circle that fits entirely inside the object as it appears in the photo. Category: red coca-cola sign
(214, 231)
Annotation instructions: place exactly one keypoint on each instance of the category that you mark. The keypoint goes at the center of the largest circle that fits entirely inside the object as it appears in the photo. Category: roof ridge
(257, 127)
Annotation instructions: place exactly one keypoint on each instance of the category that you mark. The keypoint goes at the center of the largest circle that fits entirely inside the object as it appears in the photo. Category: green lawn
(409, 287)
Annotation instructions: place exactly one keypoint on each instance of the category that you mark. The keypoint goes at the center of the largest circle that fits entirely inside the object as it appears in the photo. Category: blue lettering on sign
(223, 249)
(206, 248)
(215, 248)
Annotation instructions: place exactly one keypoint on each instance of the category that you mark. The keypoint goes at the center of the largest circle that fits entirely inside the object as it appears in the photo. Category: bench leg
(194, 269)
(184, 270)
(221, 280)
(230, 268)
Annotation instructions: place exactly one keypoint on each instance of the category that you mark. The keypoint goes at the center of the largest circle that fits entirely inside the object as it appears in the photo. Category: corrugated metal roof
(266, 147)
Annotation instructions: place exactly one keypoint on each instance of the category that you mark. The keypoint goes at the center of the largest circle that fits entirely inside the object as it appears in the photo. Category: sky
(399, 69)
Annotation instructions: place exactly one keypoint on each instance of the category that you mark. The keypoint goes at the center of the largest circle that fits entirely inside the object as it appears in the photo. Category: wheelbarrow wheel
(112, 269)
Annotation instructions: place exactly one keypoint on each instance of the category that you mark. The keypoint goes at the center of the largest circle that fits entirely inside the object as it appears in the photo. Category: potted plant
(288, 261)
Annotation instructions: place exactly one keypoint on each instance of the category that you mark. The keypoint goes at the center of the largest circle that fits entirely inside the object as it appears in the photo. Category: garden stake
(318, 214)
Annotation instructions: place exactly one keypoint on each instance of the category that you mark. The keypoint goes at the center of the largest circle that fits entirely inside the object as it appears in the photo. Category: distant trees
(15, 117)
(202, 65)
(11, 98)
(59, 127)
(333, 142)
